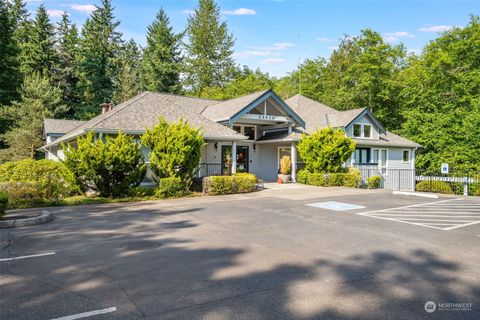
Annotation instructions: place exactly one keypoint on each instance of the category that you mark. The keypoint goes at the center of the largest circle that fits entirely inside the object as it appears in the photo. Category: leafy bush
(374, 182)
(21, 194)
(51, 178)
(175, 150)
(434, 186)
(238, 183)
(170, 188)
(352, 178)
(316, 179)
(285, 165)
(112, 167)
(302, 176)
(245, 182)
(3, 204)
(325, 150)
(335, 179)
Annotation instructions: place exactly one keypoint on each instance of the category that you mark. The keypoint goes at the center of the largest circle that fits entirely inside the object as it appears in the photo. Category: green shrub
(352, 178)
(316, 179)
(112, 167)
(3, 204)
(285, 165)
(302, 176)
(374, 182)
(175, 150)
(434, 186)
(335, 179)
(170, 188)
(325, 150)
(238, 183)
(21, 194)
(245, 182)
(52, 178)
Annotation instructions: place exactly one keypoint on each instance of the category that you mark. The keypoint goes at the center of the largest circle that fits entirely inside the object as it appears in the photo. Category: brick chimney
(106, 107)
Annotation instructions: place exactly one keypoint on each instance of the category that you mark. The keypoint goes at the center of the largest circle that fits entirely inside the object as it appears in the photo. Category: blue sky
(274, 35)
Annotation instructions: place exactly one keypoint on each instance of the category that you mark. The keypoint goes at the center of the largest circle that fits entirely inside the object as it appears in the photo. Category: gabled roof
(315, 114)
(142, 111)
(59, 126)
(388, 139)
(222, 111)
(231, 110)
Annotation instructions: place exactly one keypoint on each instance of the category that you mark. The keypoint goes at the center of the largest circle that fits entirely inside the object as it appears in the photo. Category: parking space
(446, 214)
(254, 256)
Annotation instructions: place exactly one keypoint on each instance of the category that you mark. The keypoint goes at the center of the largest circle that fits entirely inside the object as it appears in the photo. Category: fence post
(465, 185)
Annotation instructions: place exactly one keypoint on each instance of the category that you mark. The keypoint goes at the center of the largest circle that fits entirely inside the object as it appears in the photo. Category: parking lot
(292, 253)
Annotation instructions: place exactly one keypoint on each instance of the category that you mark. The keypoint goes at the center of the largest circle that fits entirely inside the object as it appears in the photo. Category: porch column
(234, 157)
(293, 156)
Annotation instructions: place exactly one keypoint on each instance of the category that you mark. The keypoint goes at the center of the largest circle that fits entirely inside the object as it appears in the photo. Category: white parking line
(87, 314)
(442, 215)
(30, 256)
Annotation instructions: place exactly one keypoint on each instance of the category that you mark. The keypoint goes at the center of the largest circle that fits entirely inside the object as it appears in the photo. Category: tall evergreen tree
(39, 100)
(67, 48)
(19, 13)
(127, 82)
(38, 52)
(209, 49)
(98, 59)
(161, 65)
(10, 76)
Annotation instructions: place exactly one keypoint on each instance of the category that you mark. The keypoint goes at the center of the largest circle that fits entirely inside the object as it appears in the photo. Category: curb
(45, 217)
(415, 194)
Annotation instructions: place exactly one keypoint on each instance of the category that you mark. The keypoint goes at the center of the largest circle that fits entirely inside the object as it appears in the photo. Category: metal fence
(455, 182)
(209, 169)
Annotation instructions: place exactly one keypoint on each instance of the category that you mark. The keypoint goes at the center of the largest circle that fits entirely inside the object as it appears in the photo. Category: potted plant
(285, 168)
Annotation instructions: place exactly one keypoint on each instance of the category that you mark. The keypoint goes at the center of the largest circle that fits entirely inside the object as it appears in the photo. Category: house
(250, 133)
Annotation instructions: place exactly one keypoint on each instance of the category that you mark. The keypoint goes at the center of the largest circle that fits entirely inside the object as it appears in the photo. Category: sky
(275, 35)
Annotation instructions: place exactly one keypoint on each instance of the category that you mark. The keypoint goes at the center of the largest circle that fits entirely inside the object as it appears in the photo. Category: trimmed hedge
(51, 178)
(349, 179)
(170, 188)
(238, 183)
(374, 182)
(434, 186)
(3, 204)
(23, 194)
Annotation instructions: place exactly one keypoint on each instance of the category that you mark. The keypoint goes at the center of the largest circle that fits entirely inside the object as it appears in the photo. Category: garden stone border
(45, 217)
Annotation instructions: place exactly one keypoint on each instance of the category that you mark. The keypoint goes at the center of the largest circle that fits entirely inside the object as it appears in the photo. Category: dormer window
(362, 131)
(357, 130)
(367, 131)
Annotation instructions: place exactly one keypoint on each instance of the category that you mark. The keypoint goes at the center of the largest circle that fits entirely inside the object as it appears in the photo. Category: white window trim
(409, 156)
(362, 130)
(380, 161)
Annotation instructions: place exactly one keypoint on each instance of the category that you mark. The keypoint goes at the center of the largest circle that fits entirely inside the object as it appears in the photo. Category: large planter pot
(280, 178)
(285, 178)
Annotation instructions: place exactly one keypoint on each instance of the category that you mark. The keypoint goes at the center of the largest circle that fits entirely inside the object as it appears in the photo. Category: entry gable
(268, 107)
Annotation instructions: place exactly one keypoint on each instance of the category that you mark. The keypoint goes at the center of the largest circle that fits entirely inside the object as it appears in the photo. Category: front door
(242, 159)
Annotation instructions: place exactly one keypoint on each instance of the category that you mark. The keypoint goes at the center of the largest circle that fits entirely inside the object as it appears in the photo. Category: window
(249, 132)
(406, 155)
(376, 156)
(362, 155)
(367, 131)
(357, 130)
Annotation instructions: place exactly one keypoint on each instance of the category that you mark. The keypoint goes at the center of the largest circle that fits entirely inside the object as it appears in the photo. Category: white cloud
(274, 60)
(252, 53)
(188, 11)
(440, 28)
(279, 46)
(240, 12)
(83, 7)
(55, 13)
(333, 47)
(325, 39)
(395, 36)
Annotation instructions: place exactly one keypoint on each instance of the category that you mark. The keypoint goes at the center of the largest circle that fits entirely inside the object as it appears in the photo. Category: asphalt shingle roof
(143, 111)
(59, 126)
(222, 111)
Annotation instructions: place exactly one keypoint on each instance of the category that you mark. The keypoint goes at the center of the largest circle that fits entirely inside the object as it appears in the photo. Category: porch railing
(209, 169)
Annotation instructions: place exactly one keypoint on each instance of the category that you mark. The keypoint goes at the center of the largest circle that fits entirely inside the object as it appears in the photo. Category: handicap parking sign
(444, 168)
